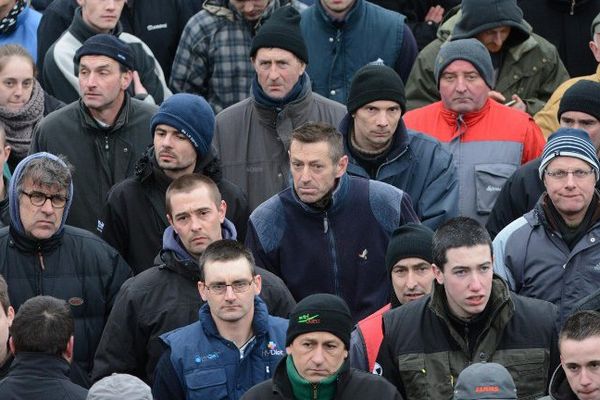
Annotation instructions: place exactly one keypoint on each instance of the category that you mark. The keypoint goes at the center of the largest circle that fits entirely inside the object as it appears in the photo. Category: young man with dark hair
(324, 217)
(43, 343)
(471, 316)
(578, 376)
(236, 343)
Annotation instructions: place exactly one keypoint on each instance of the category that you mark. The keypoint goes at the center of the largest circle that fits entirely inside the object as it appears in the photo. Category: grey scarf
(20, 123)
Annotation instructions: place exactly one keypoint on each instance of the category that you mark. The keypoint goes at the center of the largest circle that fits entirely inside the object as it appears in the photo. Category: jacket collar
(175, 257)
(337, 198)
(83, 31)
(260, 322)
(39, 364)
(147, 167)
(399, 140)
(87, 121)
(500, 309)
(282, 385)
(559, 386)
(355, 14)
(462, 122)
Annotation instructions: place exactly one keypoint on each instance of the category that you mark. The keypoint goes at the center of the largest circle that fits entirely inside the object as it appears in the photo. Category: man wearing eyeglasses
(234, 345)
(43, 256)
(552, 252)
(579, 108)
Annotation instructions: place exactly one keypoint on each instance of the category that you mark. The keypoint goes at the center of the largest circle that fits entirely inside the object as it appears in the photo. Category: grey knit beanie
(471, 50)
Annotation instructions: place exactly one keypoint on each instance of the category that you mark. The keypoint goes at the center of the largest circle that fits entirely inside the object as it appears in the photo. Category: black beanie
(106, 45)
(410, 240)
(583, 96)
(282, 30)
(375, 82)
(321, 312)
(481, 15)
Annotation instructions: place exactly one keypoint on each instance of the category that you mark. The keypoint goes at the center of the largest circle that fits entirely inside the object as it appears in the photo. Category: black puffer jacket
(134, 217)
(73, 265)
(40, 376)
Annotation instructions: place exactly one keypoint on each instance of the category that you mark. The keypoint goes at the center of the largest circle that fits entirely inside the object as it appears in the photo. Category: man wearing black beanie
(380, 147)
(316, 365)
(252, 136)
(408, 261)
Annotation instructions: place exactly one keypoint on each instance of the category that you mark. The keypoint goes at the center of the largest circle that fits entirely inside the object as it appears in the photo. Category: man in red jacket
(488, 140)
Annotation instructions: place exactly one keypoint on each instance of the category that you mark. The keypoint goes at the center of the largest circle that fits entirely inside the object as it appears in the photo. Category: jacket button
(593, 240)
(332, 92)
(482, 356)
(331, 40)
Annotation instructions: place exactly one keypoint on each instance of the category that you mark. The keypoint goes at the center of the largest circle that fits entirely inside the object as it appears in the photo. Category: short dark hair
(458, 232)
(225, 250)
(315, 132)
(580, 326)
(4, 299)
(189, 182)
(43, 324)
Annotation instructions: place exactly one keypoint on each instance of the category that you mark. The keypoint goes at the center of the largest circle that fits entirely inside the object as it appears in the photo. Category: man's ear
(438, 274)
(68, 353)
(202, 290)
(11, 345)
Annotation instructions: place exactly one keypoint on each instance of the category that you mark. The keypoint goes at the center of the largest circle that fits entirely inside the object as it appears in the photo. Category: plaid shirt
(213, 57)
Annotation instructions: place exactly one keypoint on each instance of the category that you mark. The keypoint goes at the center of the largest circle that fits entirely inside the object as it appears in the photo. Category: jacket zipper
(572, 7)
(331, 241)
(42, 269)
(314, 390)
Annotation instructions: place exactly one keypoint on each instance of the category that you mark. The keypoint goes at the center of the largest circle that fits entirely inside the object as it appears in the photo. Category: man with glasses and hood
(43, 256)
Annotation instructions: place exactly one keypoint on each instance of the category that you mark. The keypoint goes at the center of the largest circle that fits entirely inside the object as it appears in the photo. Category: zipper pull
(41, 257)
(325, 224)
(572, 7)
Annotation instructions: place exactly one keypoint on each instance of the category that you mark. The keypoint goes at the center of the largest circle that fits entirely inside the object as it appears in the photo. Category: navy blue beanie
(106, 45)
(191, 115)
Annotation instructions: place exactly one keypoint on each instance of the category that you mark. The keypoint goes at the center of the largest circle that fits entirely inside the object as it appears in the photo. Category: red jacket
(487, 146)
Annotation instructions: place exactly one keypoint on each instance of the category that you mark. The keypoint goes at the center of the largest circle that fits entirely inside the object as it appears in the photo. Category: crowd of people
(300, 199)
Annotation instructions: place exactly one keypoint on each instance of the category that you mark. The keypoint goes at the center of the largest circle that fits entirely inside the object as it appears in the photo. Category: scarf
(8, 24)
(262, 98)
(20, 123)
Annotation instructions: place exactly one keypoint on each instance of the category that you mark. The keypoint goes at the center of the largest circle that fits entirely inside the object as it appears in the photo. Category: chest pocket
(413, 376)
(206, 384)
(529, 370)
(489, 179)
